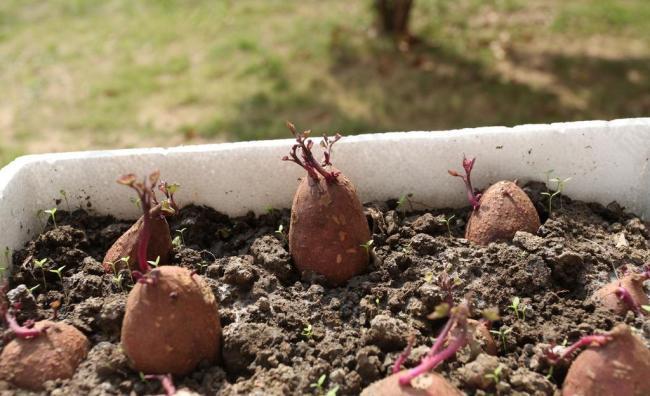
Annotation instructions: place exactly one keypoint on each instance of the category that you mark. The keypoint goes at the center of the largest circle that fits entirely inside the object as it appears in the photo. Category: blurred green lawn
(81, 74)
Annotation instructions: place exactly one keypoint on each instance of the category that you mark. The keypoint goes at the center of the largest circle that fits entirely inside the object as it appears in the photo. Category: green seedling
(518, 308)
(155, 262)
(179, 240)
(58, 273)
(403, 201)
(307, 331)
(318, 385)
(333, 391)
(280, 232)
(645, 308)
(502, 334)
(428, 277)
(31, 289)
(40, 264)
(65, 198)
(117, 280)
(495, 375)
(560, 183)
(52, 213)
(447, 221)
(367, 245)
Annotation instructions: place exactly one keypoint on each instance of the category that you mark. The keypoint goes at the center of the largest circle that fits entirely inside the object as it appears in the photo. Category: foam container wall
(607, 161)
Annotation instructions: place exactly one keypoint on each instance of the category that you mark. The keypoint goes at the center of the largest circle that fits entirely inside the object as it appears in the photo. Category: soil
(283, 331)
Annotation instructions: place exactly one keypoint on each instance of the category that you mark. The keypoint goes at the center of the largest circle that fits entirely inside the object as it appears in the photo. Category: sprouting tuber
(615, 363)
(125, 249)
(328, 227)
(624, 294)
(420, 381)
(498, 213)
(171, 322)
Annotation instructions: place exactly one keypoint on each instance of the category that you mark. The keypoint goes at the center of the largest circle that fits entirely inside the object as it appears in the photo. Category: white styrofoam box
(607, 161)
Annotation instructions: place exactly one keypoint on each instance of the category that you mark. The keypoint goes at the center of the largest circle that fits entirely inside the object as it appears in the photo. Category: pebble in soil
(281, 331)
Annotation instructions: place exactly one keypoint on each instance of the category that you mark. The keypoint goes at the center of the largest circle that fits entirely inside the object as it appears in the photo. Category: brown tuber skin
(504, 209)
(327, 230)
(619, 367)
(429, 384)
(160, 243)
(171, 326)
(28, 363)
(328, 226)
(607, 296)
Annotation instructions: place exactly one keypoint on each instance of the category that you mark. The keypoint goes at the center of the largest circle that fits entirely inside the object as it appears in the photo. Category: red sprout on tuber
(27, 330)
(147, 195)
(458, 322)
(472, 195)
(397, 366)
(308, 162)
(626, 298)
(590, 340)
(166, 381)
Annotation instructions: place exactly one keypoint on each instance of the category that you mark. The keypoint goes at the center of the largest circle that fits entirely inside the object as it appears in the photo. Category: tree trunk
(393, 16)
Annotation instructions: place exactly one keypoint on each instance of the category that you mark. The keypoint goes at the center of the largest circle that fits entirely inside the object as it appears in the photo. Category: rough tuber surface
(328, 226)
(498, 213)
(622, 295)
(504, 209)
(620, 366)
(56, 353)
(172, 325)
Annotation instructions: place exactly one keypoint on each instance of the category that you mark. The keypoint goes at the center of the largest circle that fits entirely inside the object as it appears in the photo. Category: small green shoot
(367, 245)
(117, 280)
(58, 273)
(318, 385)
(65, 198)
(518, 308)
(447, 221)
(281, 234)
(307, 331)
(270, 209)
(495, 375)
(52, 213)
(40, 264)
(441, 311)
(31, 289)
(403, 201)
(560, 183)
(155, 262)
(428, 277)
(179, 240)
(377, 300)
(645, 308)
(502, 334)
(333, 391)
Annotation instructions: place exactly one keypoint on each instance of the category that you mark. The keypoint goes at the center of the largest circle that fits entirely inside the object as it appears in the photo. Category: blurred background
(89, 74)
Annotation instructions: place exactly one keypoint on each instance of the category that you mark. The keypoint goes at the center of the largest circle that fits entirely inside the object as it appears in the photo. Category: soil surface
(282, 330)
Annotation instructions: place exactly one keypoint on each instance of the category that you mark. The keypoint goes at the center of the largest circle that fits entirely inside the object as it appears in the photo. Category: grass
(80, 74)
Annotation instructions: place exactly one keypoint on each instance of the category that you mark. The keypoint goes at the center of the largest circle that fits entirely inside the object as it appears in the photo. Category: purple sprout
(147, 195)
(436, 355)
(590, 340)
(166, 381)
(626, 298)
(472, 196)
(308, 162)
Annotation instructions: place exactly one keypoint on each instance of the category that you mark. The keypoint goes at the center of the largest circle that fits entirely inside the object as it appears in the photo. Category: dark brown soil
(281, 332)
